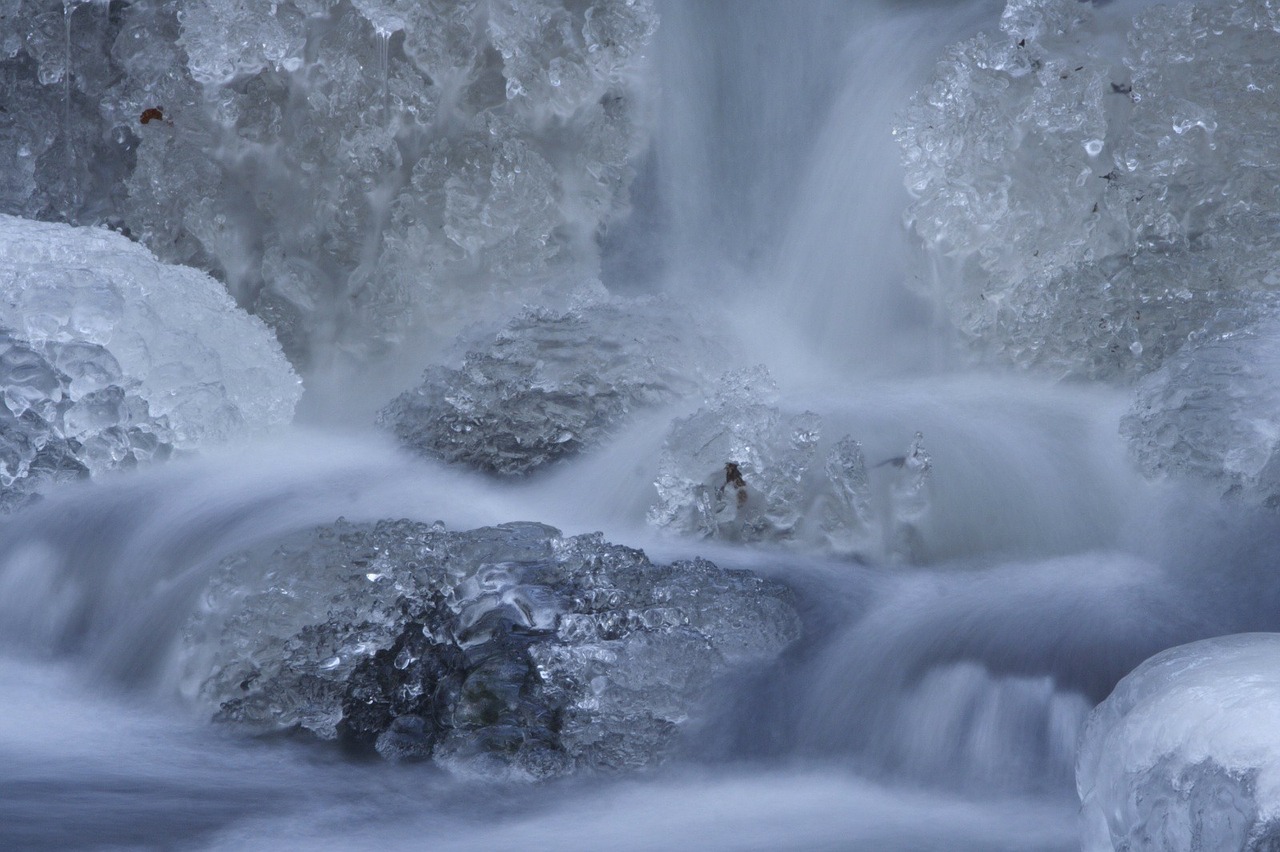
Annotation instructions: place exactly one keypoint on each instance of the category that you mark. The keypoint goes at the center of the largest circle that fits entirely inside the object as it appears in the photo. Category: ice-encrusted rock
(345, 167)
(742, 468)
(1212, 413)
(1093, 203)
(1184, 756)
(149, 340)
(734, 468)
(553, 383)
(509, 649)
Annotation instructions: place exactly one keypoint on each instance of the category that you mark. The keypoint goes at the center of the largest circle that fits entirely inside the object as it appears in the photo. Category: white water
(926, 708)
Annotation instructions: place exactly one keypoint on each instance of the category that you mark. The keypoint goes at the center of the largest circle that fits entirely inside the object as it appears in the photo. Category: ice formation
(339, 165)
(111, 357)
(1090, 205)
(507, 650)
(742, 468)
(552, 383)
(1184, 754)
(1212, 413)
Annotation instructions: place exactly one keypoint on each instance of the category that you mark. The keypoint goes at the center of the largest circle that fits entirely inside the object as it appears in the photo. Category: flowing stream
(929, 707)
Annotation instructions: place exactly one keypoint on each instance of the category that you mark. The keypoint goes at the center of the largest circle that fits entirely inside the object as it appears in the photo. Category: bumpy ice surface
(1184, 754)
(1212, 412)
(743, 468)
(507, 650)
(111, 357)
(339, 165)
(553, 383)
(1094, 203)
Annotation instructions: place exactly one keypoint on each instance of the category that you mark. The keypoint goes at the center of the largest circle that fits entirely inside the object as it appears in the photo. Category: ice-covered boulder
(1089, 202)
(109, 358)
(1184, 756)
(1212, 413)
(553, 383)
(745, 468)
(112, 318)
(511, 650)
(345, 167)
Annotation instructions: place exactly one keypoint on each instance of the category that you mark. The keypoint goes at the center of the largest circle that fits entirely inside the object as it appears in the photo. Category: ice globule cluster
(1183, 755)
(55, 428)
(342, 166)
(508, 650)
(552, 383)
(1089, 205)
(103, 311)
(743, 468)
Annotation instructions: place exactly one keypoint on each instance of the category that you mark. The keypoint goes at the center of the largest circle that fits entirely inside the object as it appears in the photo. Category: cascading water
(928, 568)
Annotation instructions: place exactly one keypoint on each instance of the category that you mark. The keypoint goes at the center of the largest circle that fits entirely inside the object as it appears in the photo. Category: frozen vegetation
(112, 358)
(509, 650)
(1184, 757)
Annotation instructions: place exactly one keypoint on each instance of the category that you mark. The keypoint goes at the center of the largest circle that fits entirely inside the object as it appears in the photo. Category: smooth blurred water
(926, 707)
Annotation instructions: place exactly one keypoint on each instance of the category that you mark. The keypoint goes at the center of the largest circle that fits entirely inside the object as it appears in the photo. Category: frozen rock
(1090, 203)
(507, 650)
(346, 168)
(1212, 413)
(742, 468)
(125, 340)
(1184, 754)
(552, 383)
(734, 468)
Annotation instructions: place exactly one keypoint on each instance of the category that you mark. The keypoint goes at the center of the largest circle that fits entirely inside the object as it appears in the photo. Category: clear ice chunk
(1212, 413)
(743, 468)
(345, 168)
(1087, 205)
(507, 650)
(1183, 756)
(734, 468)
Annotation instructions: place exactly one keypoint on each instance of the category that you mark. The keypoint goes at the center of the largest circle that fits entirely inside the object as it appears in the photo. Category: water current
(931, 707)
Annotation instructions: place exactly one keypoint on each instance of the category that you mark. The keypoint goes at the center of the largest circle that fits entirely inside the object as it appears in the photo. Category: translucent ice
(743, 468)
(553, 383)
(733, 469)
(505, 650)
(1184, 754)
(1089, 204)
(1212, 412)
(127, 339)
(346, 168)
